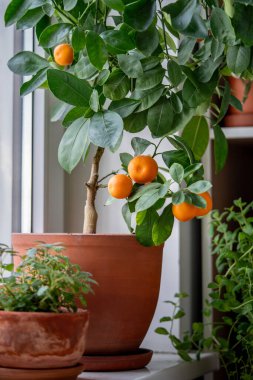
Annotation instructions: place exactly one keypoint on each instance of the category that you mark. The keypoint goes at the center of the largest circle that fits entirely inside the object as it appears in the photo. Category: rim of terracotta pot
(46, 313)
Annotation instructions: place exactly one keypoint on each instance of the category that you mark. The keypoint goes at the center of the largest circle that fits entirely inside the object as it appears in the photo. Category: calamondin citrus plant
(115, 66)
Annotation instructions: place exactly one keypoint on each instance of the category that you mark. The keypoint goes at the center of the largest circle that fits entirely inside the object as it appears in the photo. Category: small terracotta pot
(234, 117)
(128, 277)
(42, 340)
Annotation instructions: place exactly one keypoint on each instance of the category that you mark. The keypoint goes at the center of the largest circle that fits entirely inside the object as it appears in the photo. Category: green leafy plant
(121, 70)
(42, 282)
(230, 295)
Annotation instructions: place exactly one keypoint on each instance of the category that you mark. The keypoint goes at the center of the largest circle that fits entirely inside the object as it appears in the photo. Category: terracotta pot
(129, 280)
(234, 117)
(42, 340)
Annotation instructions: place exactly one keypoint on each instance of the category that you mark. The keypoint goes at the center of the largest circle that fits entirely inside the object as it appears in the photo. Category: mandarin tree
(116, 67)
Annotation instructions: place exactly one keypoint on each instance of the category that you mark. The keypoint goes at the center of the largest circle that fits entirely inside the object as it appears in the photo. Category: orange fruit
(120, 186)
(143, 169)
(64, 54)
(209, 205)
(184, 211)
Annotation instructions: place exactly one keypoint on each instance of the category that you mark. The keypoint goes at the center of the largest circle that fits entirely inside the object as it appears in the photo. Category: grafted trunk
(90, 213)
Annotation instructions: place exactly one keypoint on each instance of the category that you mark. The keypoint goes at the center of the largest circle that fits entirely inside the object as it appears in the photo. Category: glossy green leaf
(221, 26)
(117, 41)
(148, 97)
(196, 135)
(173, 156)
(185, 50)
(15, 10)
(192, 169)
(74, 144)
(115, 4)
(73, 114)
(102, 77)
(197, 200)
(160, 118)
(176, 103)
(130, 65)
(143, 190)
(205, 72)
(68, 88)
(220, 148)
(178, 197)
(244, 30)
(117, 86)
(84, 69)
(140, 14)
(27, 63)
(125, 158)
(150, 79)
(147, 200)
(144, 230)
(54, 34)
(238, 58)
(181, 13)
(163, 226)
(177, 172)
(225, 102)
(106, 129)
(197, 27)
(135, 122)
(34, 83)
(94, 101)
(217, 49)
(78, 39)
(139, 145)
(127, 216)
(176, 76)
(30, 19)
(200, 187)
(147, 41)
(96, 50)
(124, 107)
(69, 4)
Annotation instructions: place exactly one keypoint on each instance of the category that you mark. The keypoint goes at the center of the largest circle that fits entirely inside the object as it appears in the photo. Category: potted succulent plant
(115, 67)
(41, 326)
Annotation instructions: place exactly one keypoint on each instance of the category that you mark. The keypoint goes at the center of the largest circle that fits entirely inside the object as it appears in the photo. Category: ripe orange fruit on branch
(64, 54)
(143, 169)
(209, 205)
(120, 186)
(184, 211)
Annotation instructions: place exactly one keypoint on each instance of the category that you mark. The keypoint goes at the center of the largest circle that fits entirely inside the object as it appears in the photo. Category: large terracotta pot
(42, 340)
(129, 280)
(234, 117)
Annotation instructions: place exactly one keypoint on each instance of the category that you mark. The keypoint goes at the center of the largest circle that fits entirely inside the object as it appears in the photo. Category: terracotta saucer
(70, 373)
(103, 363)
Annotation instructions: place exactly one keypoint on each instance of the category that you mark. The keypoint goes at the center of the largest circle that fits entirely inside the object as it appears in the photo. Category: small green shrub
(231, 295)
(43, 282)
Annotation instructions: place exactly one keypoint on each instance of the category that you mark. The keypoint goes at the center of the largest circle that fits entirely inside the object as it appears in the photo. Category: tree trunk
(90, 213)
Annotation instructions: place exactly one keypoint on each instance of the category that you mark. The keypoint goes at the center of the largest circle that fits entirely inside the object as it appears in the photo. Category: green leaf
(217, 49)
(177, 172)
(34, 83)
(150, 79)
(162, 331)
(221, 26)
(139, 145)
(74, 144)
(124, 107)
(220, 148)
(117, 86)
(185, 50)
(94, 101)
(148, 97)
(147, 200)
(192, 169)
(54, 34)
(179, 143)
(102, 77)
(197, 200)
(181, 13)
(160, 118)
(226, 98)
(243, 24)
(69, 4)
(30, 19)
(117, 41)
(178, 197)
(144, 230)
(196, 135)
(191, 94)
(125, 158)
(175, 156)
(42, 25)
(106, 129)
(15, 10)
(68, 88)
(78, 39)
(130, 65)
(59, 109)
(140, 14)
(96, 50)
(115, 4)
(73, 114)
(199, 187)
(175, 73)
(127, 216)
(27, 63)
(143, 190)
(163, 227)
(84, 69)
(149, 63)
(238, 58)
(147, 41)
(176, 103)
(197, 27)
(135, 122)
(205, 72)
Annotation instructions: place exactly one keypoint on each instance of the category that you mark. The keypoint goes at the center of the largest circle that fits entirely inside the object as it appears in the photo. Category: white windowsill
(162, 367)
(236, 132)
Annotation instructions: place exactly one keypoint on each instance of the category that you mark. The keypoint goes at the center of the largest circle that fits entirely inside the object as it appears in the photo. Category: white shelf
(162, 367)
(236, 132)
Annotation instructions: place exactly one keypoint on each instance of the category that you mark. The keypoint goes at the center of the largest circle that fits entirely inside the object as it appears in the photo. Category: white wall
(6, 122)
